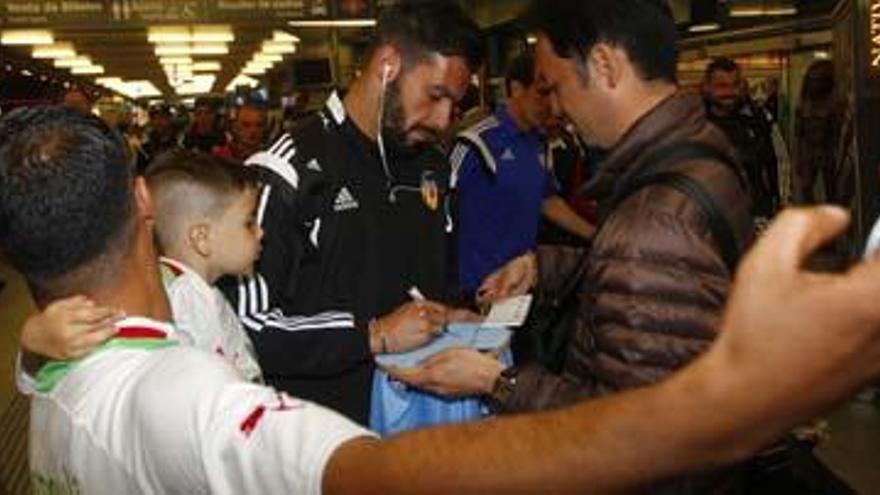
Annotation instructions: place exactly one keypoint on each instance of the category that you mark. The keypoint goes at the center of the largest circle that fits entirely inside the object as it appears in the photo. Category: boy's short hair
(189, 186)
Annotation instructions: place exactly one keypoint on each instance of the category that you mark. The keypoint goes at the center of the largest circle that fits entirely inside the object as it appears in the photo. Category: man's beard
(394, 123)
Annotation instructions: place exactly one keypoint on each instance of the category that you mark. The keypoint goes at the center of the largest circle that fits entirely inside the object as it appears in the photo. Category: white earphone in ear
(386, 73)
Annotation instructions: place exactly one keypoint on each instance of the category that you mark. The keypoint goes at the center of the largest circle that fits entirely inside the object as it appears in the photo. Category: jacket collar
(677, 115)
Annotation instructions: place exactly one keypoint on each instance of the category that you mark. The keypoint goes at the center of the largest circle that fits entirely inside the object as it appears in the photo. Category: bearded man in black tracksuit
(355, 213)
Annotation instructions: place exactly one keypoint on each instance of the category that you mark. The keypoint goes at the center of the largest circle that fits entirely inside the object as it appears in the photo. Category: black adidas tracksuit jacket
(342, 246)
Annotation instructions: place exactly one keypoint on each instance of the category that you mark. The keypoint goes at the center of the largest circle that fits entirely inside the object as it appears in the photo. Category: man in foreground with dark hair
(142, 415)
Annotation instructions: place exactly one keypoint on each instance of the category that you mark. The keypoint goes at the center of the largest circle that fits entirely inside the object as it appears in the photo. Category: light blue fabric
(396, 407)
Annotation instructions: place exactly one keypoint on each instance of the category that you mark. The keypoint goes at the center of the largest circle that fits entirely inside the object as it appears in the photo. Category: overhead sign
(90, 13)
(875, 36)
(44, 13)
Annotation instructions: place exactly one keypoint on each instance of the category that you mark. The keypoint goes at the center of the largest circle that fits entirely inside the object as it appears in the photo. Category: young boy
(205, 225)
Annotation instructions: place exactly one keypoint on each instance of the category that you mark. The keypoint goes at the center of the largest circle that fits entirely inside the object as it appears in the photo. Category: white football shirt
(144, 415)
(204, 318)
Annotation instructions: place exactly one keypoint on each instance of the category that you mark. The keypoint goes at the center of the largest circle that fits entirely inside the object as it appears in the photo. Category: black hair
(722, 64)
(644, 29)
(521, 69)
(421, 27)
(205, 101)
(66, 197)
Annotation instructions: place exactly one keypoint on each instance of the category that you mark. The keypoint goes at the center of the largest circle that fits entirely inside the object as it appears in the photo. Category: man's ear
(198, 235)
(387, 63)
(606, 64)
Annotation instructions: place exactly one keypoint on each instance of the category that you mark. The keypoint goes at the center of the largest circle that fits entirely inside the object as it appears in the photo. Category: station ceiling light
(242, 80)
(763, 8)
(190, 34)
(180, 60)
(54, 50)
(88, 69)
(279, 47)
(704, 16)
(26, 37)
(279, 35)
(334, 23)
(269, 58)
(206, 66)
(68, 63)
(182, 49)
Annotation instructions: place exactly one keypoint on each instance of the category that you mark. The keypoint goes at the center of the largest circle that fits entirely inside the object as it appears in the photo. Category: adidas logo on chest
(345, 201)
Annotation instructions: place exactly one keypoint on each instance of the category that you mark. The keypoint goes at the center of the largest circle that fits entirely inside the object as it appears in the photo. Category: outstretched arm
(720, 409)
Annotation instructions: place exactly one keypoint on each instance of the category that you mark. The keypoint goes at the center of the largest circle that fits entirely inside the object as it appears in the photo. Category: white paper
(510, 312)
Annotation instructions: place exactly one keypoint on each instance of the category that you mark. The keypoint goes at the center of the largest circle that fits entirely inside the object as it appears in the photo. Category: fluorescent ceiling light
(206, 66)
(138, 89)
(90, 69)
(259, 65)
(267, 58)
(335, 23)
(168, 34)
(254, 71)
(705, 27)
(186, 34)
(166, 50)
(67, 63)
(284, 36)
(55, 50)
(781, 11)
(108, 81)
(278, 47)
(175, 60)
(209, 49)
(194, 49)
(242, 80)
(172, 70)
(212, 34)
(204, 78)
(760, 11)
(26, 37)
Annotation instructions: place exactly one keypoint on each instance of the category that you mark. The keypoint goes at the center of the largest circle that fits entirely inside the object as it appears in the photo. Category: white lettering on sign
(875, 34)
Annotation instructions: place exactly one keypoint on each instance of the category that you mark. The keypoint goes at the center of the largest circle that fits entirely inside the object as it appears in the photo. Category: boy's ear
(199, 238)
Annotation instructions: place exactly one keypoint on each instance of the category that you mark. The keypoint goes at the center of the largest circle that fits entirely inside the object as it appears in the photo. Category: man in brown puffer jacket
(656, 279)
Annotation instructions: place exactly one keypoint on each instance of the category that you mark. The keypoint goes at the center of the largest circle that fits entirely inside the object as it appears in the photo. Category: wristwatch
(502, 389)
